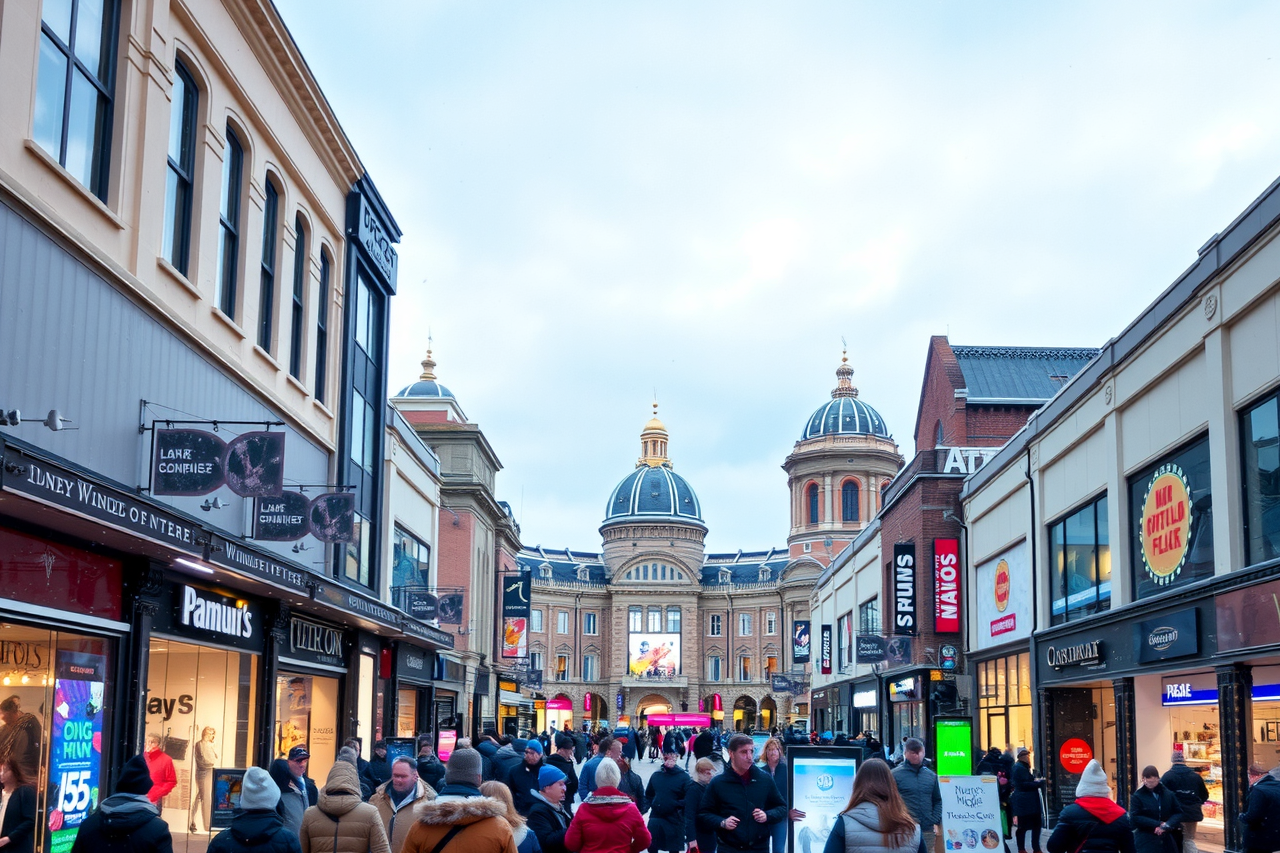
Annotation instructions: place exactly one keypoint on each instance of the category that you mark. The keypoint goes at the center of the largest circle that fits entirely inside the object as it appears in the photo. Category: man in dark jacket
(918, 786)
(126, 821)
(523, 778)
(1153, 811)
(509, 755)
(550, 816)
(666, 793)
(257, 826)
(377, 770)
(562, 760)
(705, 744)
(581, 745)
(626, 737)
(1261, 817)
(1188, 786)
(742, 802)
(430, 767)
(488, 748)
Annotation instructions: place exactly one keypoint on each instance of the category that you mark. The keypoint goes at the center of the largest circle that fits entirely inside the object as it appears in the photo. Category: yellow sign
(1002, 585)
(1166, 524)
(509, 686)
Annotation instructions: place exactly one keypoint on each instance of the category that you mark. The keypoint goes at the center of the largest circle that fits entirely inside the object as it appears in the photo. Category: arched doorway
(744, 714)
(768, 713)
(652, 703)
(559, 712)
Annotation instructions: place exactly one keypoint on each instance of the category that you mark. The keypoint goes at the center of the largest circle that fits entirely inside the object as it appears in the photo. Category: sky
(606, 201)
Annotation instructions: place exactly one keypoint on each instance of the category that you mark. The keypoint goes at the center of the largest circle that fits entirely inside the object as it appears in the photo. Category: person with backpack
(341, 822)
(126, 822)
(1188, 786)
(257, 826)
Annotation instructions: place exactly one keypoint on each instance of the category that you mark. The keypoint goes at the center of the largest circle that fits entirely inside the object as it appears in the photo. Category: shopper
(1024, 802)
(430, 767)
(704, 840)
(632, 785)
(17, 807)
(396, 799)
(127, 821)
(608, 822)
(526, 841)
(340, 822)
(522, 779)
(562, 760)
(607, 747)
(666, 792)
(876, 818)
(460, 817)
(1188, 786)
(1153, 811)
(550, 816)
(741, 802)
(776, 767)
(918, 786)
(1261, 818)
(257, 826)
(1093, 823)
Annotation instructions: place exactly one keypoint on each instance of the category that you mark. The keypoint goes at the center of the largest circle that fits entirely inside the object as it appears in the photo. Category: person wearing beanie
(341, 822)
(257, 826)
(478, 823)
(1093, 823)
(1188, 786)
(522, 779)
(666, 792)
(1153, 811)
(562, 760)
(126, 822)
(550, 816)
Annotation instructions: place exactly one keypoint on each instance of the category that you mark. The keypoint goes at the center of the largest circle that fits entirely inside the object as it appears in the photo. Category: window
(673, 620)
(1260, 455)
(229, 224)
(655, 620)
(411, 562)
(744, 668)
(562, 667)
(869, 617)
(713, 668)
(562, 621)
(744, 624)
(771, 666)
(299, 288)
(589, 623)
(844, 641)
(1080, 563)
(771, 622)
(813, 503)
(939, 437)
(357, 552)
(267, 289)
(849, 501)
(536, 660)
(322, 327)
(590, 668)
(176, 243)
(584, 573)
(75, 81)
(535, 621)
(1171, 504)
(713, 628)
(362, 431)
(766, 574)
(635, 619)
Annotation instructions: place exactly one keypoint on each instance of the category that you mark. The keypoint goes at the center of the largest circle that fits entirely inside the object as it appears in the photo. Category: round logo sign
(1075, 755)
(826, 782)
(1002, 585)
(1166, 524)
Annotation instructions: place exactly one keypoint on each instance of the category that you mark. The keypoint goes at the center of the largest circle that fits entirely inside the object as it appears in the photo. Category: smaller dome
(427, 387)
(655, 425)
(845, 414)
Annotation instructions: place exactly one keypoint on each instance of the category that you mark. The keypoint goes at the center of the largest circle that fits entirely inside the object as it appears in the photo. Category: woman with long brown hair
(17, 808)
(876, 819)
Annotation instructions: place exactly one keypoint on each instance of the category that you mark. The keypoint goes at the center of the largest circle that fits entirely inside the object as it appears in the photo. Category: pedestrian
(21, 736)
(17, 808)
(257, 824)
(608, 748)
(430, 767)
(632, 785)
(297, 792)
(1153, 811)
(666, 792)
(1261, 817)
(1024, 802)
(876, 819)
(522, 779)
(550, 816)
(918, 786)
(644, 736)
(396, 799)
(581, 745)
(340, 822)
(506, 758)
(160, 765)
(776, 767)
(1188, 786)
(488, 748)
(704, 840)
(349, 755)
(562, 760)
(377, 770)
(526, 841)
(1093, 823)
(608, 822)
(460, 817)
(741, 802)
(127, 821)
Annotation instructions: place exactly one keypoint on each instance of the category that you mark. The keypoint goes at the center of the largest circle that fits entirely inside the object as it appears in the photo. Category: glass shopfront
(308, 691)
(1004, 703)
(906, 708)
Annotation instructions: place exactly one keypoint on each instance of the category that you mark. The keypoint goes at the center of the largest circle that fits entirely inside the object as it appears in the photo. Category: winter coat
(779, 775)
(1148, 808)
(341, 823)
(1024, 801)
(256, 831)
(20, 820)
(581, 746)
(992, 764)
(628, 738)
(587, 778)
(706, 838)
(727, 796)
(487, 749)
(504, 759)
(375, 772)
(1099, 823)
(565, 766)
(550, 823)
(1261, 818)
(431, 769)
(608, 822)
(523, 781)
(124, 823)
(291, 808)
(859, 831)
(703, 745)
(398, 820)
(485, 819)
(1188, 786)
(919, 789)
(633, 786)
(666, 792)
(526, 841)
(163, 777)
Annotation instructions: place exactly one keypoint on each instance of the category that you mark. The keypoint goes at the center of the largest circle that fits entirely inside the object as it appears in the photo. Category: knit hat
(462, 768)
(563, 741)
(258, 790)
(549, 775)
(534, 744)
(1093, 781)
(135, 778)
(1178, 757)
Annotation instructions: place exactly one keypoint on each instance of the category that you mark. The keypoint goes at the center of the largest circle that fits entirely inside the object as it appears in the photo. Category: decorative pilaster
(276, 640)
(142, 589)
(1235, 711)
(1126, 739)
(1044, 749)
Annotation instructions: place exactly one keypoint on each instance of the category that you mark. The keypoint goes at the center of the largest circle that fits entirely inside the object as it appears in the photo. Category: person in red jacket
(163, 777)
(608, 820)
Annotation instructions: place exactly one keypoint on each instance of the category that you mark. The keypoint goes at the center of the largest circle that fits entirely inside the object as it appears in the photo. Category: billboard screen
(653, 655)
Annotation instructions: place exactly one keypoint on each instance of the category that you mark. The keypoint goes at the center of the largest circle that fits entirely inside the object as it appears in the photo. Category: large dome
(653, 494)
(845, 414)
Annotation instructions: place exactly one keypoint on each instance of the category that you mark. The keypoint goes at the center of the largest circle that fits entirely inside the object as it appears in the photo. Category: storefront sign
(310, 641)
(449, 609)
(559, 705)
(232, 556)
(965, 460)
(717, 704)
(515, 616)
(1166, 524)
(376, 242)
(1075, 754)
(190, 462)
(619, 702)
(423, 606)
(946, 586)
(865, 698)
(1173, 635)
(1080, 654)
(205, 616)
(75, 753)
(416, 629)
(800, 643)
(78, 581)
(352, 602)
(1248, 617)
(1002, 597)
(970, 813)
(872, 648)
(904, 690)
(825, 651)
(904, 588)
(586, 703)
(947, 657)
(330, 517)
(413, 663)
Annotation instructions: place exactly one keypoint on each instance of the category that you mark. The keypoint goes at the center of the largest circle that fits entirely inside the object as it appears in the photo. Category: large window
(589, 624)
(744, 624)
(267, 286)
(590, 668)
(535, 621)
(673, 620)
(714, 672)
(74, 87)
(357, 552)
(179, 175)
(536, 660)
(562, 668)
(562, 621)
(635, 619)
(229, 224)
(322, 327)
(299, 289)
(1004, 702)
(744, 668)
(771, 623)
(813, 503)
(1260, 450)
(844, 642)
(410, 567)
(869, 617)
(1080, 563)
(714, 625)
(849, 501)
(1171, 510)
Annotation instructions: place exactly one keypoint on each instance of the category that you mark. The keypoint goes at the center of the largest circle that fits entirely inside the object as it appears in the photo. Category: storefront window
(1171, 509)
(407, 712)
(1004, 703)
(307, 715)
(1260, 450)
(1191, 703)
(1080, 559)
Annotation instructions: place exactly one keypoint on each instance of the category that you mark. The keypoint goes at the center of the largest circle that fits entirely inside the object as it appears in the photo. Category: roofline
(1007, 401)
(413, 441)
(859, 542)
(924, 387)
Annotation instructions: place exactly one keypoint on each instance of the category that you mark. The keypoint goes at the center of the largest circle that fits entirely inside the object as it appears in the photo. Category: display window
(200, 708)
(307, 715)
(1004, 703)
(407, 712)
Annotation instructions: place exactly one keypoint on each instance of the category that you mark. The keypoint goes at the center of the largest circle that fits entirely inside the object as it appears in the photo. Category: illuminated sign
(1166, 524)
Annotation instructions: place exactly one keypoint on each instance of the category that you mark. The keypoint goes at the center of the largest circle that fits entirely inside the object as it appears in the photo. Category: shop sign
(1174, 635)
(904, 588)
(413, 663)
(375, 241)
(515, 616)
(717, 704)
(872, 648)
(864, 698)
(423, 606)
(329, 517)
(904, 690)
(947, 657)
(232, 556)
(212, 617)
(425, 632)
(1003, 606)
(559, 705)
(1166, 523)
(351, 602)
(1080, 654)
(75, 753)
(192, 462)
(586, 703)
(1075, 754)
(619, 700)
(826, 649)
(800, 641)
(78, 581)
(1248, 617)
(966, 460)
(946, 586)
(310, 641)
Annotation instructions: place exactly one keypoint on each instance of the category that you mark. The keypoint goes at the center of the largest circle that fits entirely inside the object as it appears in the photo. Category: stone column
(1235, 711)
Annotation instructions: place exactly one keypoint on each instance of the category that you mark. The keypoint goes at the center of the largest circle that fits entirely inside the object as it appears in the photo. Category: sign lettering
(946, 586)
(904, 588)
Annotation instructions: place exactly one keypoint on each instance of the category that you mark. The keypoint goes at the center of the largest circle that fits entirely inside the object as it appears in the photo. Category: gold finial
(844, 376)
(428, 365)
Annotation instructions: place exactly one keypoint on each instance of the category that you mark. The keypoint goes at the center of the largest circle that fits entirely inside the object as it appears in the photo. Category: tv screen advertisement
(953, 739)
(653, 655)
(401, 746)
(821, 782)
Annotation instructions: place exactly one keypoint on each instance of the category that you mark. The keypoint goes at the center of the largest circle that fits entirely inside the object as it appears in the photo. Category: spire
(844, 378)
(653, 443)
(428, 365)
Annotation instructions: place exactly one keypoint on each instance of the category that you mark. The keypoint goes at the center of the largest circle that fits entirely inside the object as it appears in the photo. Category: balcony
(655, 681)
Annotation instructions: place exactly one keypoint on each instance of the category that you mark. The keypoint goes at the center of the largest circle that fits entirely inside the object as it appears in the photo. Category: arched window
(849, 501)
(813, 503)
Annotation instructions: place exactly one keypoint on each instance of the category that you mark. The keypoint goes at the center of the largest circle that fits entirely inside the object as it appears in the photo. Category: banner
(970, 813)
(515, 615)
(904, 588)
(423, 606)
(653, 655)
(826, 649)
(872, 648)
(75, 752)
(946, 586)
(800, 642)
(192, 462)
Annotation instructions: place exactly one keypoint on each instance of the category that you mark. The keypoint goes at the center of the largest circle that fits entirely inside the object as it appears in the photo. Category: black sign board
(1173, 635)
(312, 642)
(255, 464)
(530, 678)
(413, 663)
(903, 577)
(234, 556)
(203, 615)
(783, 684)
(449, 609)
(425, 632)
(800, 641)
(187, 462)
(826, 648)
(423, 606)
(872, 648)
(353, 602)
(332, 517)
(281, 519)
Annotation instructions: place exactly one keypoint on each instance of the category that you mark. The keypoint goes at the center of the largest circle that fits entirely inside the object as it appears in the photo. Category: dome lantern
(653, 443)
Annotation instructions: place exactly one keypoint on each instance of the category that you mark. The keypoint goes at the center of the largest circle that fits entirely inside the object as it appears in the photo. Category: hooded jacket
(1094, 825)
(523, 781)
(608, 822)
(124, 823)
(257, 830)
(1148, 808)
(550, 823)
(566, 767)
(504, 759)
(666, 792)
(859, 830)
(1188, 786)
(398, 820)
(1261, 818)
(484, 821)
(341, 823)
(919, 789)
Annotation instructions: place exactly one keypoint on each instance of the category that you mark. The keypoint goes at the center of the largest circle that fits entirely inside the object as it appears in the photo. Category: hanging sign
(904, 588)
(515, 615)
(423, 605)
(800, 641)
(330, 517)
(449, 608)
(191, 462)
(872, 648)
(826, 649)
(1166, 524)
(946, 586)
(1075, 755)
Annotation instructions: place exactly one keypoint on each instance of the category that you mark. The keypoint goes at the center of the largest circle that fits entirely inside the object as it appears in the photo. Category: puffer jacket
(256, 831)
(341, 823)
(859, 831)
(1093, 825)
(484, 822)
(608, 822)
(504, 760)
(919, 789)
(1148, 808)
(398, 820)
(1188, 786)
(668, 787)
(124, 823)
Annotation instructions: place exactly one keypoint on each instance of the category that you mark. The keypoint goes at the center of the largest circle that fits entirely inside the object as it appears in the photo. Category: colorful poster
(226, 796)
(1002, 590)
(448, 742)
(946, 586)
(75, 754)
(515, 616)
(800, 642)
(654, 655)
(970, 813)
(821, 782)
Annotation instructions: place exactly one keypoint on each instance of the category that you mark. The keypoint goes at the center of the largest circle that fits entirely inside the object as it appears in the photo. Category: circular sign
(1166, 524)
(1002, 585)
(1075, 755)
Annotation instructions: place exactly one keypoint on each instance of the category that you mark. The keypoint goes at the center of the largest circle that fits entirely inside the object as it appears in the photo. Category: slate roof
(744, 568)
(1019, 375)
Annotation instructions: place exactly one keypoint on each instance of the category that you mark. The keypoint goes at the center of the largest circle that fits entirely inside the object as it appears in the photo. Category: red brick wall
(453, 560)
(938, 401)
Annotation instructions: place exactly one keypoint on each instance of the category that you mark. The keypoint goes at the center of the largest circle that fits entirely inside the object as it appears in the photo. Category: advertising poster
(946, 586)
(447, 743)
(398, 747)
(905, 620)
(653, 655)
(821, 782)
(515, 616)
(970, 813)
(760, 739)
(800, 642)
(1002, 593)
(825, 650)
(226, 796)
(75, 754)
(954, 746)
(293, 713)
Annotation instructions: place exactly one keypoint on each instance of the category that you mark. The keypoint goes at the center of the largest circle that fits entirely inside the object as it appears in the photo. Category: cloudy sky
(604, 199)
